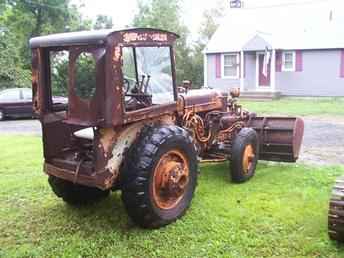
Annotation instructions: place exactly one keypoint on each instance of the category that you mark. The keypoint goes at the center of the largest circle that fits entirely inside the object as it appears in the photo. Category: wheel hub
(171, 177)
(248, 158)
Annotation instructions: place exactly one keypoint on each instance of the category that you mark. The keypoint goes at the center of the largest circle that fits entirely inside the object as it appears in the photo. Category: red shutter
(299, 61)
(342, 64)
(278, 61)
(218, 65)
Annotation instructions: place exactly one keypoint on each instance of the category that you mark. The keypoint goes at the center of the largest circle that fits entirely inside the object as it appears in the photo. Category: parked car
(17, 102)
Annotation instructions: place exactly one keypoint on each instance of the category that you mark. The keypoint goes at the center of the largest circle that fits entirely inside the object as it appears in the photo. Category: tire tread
(137, 172)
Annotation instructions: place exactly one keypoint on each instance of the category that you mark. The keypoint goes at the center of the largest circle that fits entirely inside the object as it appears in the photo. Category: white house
(293, 51)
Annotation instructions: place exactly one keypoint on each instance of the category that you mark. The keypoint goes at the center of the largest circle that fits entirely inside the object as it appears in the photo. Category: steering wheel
(138, 95)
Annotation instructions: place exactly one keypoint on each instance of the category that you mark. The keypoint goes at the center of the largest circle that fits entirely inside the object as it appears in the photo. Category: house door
(263, 80)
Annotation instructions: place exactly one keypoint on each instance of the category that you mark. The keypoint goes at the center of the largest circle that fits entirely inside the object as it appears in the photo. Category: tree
(40, 15)
(11, 73)
(209, 25)
(2, 6)
(26, 19)
(103, 22)
(211, 22)
(22, 19)
(165, 14)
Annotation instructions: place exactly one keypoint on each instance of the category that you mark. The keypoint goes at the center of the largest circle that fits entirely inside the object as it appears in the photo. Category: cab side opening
(68, 129)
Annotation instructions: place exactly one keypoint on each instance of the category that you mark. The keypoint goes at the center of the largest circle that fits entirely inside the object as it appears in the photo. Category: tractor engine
(213, 130)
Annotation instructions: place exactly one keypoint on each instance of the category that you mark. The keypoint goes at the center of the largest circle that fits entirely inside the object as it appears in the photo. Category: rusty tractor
(336, 212)
(129, 127)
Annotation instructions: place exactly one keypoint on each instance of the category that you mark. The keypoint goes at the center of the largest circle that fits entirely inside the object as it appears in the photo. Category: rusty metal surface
(119, 146)
(109, 77)
(88, 112)
(204, 102)
(171, 176)
(95, 37)
(248, 158)
(109, 147)
(104, 111)
(280, 137)
(114, 81)
(102, 169)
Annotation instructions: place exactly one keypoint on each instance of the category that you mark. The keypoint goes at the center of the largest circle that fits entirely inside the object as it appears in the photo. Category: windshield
(148, 70)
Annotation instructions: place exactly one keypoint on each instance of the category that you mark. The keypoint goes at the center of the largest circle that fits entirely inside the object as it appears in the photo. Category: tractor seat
(86, 134)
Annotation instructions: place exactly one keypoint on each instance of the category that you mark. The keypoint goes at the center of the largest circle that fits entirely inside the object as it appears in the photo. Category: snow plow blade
(280, 138)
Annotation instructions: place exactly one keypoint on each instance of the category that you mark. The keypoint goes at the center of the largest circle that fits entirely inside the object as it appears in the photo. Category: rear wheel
(336, 212)
(160, 176)
(244, 155)
(76, 194)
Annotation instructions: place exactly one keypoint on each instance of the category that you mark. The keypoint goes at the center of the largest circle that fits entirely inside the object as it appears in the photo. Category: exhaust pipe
(280, 138)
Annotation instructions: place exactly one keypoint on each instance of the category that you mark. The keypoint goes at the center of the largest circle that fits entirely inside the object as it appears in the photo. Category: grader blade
(280, 138)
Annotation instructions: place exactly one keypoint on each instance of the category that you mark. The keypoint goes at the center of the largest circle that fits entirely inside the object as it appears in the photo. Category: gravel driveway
(21, 127)
(323, 140)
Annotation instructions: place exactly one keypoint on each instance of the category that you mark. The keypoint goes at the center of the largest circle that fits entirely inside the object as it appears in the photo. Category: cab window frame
(170, 47)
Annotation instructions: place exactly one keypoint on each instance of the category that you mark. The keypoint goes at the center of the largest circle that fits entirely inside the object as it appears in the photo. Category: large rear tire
(244, 155)
(336, 212)
(76, 194)
(160, 176)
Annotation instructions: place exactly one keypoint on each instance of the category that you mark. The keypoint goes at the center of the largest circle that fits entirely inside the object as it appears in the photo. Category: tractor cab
(111, 77)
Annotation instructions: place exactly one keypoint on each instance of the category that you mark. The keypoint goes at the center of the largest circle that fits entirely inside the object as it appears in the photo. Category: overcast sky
(124, 11)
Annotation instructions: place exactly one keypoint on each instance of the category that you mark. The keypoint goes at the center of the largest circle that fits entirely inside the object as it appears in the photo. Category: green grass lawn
(281, 212)
(297, 106)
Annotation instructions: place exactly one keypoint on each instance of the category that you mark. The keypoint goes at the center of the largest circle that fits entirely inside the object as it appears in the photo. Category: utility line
(285, 4)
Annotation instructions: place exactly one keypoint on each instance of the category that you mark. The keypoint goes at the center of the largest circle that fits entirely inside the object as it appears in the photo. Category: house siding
(215, 81)
(319, 76)
(218, 83)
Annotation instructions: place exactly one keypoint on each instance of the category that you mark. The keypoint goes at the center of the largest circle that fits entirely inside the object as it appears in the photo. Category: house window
(230, 65)
(288, 61)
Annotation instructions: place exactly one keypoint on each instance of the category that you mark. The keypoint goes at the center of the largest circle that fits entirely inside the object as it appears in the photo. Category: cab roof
(93, 37)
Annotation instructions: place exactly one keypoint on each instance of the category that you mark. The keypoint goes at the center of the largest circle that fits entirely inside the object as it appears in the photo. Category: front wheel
(244, 155)
(160, 176)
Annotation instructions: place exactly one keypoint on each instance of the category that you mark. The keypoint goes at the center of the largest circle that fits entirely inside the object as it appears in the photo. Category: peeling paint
(159, 37)
(117, 54)
(134, 36)
(123, 142)
(108, 136)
